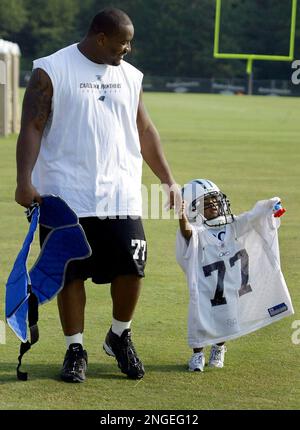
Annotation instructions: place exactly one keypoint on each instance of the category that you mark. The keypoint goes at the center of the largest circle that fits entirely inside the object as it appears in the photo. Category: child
(232, 267)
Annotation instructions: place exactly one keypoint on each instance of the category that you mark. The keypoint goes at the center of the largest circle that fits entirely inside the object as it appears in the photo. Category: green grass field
(250, 147)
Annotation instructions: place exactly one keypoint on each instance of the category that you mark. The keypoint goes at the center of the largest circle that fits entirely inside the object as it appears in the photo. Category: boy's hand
(185, 226)
(181, 212)
(278, 210)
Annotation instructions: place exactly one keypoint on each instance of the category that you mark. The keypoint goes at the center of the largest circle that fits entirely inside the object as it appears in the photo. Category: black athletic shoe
(75, 364)
(121, 347)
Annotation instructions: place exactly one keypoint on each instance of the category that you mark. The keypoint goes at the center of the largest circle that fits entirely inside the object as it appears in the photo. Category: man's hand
(26, 194)
(174, 197)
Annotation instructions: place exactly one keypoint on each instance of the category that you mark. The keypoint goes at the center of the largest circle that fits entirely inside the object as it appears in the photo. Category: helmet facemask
(217, 200)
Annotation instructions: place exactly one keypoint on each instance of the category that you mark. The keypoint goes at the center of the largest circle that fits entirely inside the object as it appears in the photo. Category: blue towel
(17, 287)
(26, 290)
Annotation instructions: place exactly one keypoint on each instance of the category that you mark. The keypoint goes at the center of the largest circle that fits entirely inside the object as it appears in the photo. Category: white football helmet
(195, 193)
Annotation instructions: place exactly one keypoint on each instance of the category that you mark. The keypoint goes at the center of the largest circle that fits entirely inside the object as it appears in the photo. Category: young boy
(232, 267)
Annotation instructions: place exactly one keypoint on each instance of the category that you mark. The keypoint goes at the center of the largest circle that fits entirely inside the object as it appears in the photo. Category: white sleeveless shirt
(90, 151)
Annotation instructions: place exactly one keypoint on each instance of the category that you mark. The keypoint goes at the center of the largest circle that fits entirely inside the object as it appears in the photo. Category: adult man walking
(84, 135)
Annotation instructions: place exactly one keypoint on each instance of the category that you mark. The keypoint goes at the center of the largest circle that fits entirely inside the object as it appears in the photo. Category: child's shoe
(197, 362)
(217, 354)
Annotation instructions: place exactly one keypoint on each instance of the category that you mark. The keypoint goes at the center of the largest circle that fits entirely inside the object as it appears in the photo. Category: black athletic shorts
(118, 248)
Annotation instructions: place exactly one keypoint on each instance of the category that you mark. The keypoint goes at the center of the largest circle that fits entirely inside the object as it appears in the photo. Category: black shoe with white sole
(75, 364)
(121, 347)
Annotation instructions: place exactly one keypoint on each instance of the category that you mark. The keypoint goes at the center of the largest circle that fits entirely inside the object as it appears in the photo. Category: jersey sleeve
(260, 217)
(185, 249)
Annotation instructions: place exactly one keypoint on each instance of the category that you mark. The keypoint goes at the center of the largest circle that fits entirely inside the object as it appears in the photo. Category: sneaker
(197, 362)
(121, 347)
(217, 354)
(75, 364)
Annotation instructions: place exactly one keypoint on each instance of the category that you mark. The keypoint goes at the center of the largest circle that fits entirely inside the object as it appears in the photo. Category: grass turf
(249, 147)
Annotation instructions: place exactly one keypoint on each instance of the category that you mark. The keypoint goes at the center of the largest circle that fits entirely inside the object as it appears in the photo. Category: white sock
(118, 327)
(75, 338)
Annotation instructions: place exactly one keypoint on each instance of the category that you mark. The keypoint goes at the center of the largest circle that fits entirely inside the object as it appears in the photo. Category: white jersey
(236, 285)
(90, 152)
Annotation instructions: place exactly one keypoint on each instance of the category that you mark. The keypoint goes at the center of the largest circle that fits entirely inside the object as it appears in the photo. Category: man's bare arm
(152, 152)
(35, 113)
(151, 147)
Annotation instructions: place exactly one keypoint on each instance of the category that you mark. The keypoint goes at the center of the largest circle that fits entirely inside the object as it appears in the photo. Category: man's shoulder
(58, 54)
(131, 69)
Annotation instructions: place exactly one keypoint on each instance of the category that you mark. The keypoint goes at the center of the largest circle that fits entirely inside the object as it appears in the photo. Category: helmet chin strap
(216, 222)
(219, 221)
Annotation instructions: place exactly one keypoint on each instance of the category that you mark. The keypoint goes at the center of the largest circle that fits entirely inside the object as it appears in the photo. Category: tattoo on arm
(37, 100)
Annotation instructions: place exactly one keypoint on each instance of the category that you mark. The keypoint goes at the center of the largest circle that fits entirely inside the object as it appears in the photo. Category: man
(84, 134)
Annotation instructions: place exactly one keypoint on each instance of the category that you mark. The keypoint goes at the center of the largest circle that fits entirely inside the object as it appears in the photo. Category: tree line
(172, 37)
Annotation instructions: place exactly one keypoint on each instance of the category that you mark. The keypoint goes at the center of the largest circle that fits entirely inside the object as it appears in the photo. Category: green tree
(50, 27)
(172, 37)
(257, 27)
(13, 16)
